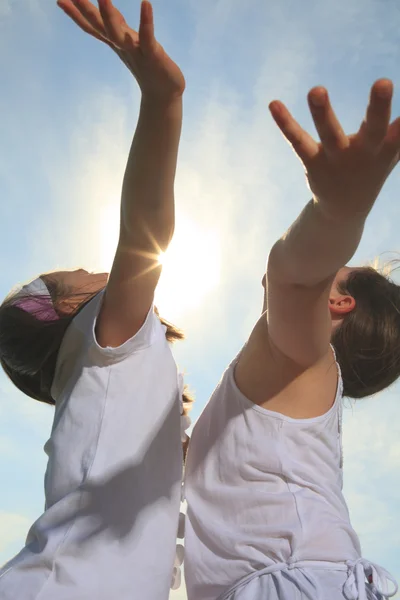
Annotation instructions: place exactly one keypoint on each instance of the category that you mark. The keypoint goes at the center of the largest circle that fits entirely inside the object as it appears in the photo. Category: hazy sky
(68, 112)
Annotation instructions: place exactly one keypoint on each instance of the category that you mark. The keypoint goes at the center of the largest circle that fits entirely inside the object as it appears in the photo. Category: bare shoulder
(274, 381)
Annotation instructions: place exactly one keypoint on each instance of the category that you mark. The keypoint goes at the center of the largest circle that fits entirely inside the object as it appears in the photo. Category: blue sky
(68, 112)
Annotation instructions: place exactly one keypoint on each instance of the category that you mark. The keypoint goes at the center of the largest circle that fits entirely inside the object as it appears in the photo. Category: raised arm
(345, 175)
(147, 202)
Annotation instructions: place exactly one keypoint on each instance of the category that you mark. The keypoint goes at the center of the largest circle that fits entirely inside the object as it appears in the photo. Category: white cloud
(86, 178)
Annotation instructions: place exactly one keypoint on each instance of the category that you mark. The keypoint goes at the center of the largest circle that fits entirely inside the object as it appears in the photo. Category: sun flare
(191, 269)
(191, 265)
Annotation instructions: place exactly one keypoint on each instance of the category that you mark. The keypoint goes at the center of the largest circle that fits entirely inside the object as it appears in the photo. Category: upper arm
(285, 365)
(129, 293)
(299, 323)
(298, 316)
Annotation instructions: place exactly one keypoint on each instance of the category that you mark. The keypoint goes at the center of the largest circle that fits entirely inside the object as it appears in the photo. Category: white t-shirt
(262, 488)
(113, 481)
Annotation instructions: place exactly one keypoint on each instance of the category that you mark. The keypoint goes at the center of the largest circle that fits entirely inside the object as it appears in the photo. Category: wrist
(332, 215)
(161, 112)
(161, 102)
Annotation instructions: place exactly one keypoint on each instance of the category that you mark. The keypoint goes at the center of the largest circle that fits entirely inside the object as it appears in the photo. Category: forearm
(147, 205)
(315, 247)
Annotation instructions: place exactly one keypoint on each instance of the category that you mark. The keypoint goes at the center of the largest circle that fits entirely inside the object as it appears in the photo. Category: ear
(341, 305)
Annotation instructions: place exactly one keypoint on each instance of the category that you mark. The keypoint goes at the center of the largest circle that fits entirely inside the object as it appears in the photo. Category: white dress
(266, 516)
(113, 481)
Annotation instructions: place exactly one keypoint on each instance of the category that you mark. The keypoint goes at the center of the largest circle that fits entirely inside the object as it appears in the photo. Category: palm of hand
(350, 181)
(153, 69)
(345, 173)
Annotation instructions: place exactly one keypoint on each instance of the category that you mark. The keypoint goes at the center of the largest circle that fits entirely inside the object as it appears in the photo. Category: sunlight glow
(108, 235)
(191, 265)
(191, 269)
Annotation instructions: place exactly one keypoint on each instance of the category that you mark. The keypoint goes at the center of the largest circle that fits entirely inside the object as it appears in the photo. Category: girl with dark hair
(266, 514)
(95, 347)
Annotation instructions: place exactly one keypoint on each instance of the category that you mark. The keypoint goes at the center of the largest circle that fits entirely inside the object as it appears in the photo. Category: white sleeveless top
(262, 488)
(113, 481)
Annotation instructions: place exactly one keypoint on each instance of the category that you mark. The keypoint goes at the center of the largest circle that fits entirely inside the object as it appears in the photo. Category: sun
(191, 265)
(191, 269)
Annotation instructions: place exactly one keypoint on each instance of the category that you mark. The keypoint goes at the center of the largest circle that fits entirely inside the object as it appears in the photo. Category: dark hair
(29, 346)
(367, 343)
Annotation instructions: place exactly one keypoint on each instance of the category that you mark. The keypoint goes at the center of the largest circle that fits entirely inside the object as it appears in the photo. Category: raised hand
(345, 172)
(155, 72)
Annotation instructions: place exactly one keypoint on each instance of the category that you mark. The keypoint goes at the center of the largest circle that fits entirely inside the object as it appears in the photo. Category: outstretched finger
(329, 129)
(375, 126)
(115, 25)
(303, 144)
(78, 12)
(146, 29)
